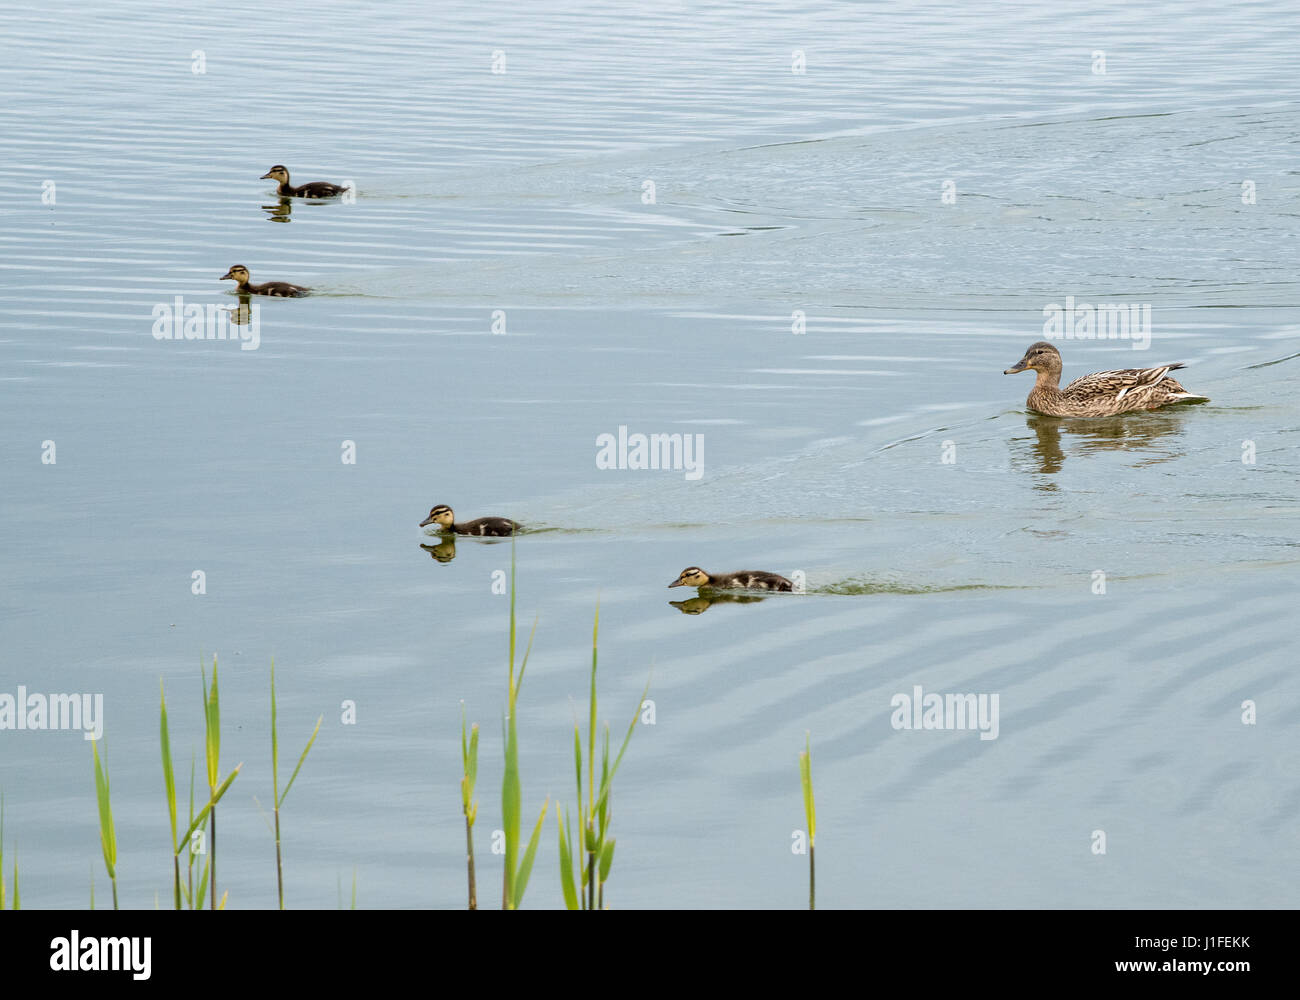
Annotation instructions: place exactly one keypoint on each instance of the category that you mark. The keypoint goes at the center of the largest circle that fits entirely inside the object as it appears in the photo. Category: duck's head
(441, 515)
(1041, 357)
(237, 272)
(279, 172)
(691, 576)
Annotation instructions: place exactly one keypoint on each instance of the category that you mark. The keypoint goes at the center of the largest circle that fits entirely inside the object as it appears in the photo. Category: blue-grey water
(503, 290)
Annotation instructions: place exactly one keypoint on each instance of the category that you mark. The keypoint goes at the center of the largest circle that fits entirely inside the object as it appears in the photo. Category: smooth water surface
(949, 538)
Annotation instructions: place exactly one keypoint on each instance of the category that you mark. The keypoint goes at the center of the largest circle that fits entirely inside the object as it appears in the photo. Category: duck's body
(240, 275)
(1101, 394)
(745, 579)
(445, 518)
(313, 189)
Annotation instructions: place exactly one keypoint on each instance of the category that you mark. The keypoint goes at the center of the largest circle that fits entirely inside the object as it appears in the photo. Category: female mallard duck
(238, 273)
(1100, 394)
(314, 189)
(746, 579)
(445, 518)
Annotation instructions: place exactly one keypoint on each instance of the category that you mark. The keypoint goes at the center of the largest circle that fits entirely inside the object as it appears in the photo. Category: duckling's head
(691, 576)
(440, 515)
(1041, 357)
(237, 272)
(279, 172)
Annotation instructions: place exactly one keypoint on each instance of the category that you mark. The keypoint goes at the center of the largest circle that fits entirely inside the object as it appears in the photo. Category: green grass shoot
(184, 842)
(517, 870)
(582, 879)
(275, 775)
(468, 805)
(810, 816)
(107, 833)
(212, 757)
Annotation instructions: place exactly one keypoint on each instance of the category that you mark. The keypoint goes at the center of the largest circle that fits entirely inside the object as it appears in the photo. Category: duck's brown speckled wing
(1118, 386)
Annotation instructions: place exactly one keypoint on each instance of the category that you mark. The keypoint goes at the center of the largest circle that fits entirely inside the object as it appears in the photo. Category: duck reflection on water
(1151, 438)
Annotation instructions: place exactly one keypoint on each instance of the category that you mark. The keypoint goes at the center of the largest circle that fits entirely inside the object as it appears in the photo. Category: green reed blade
(577, 763)
(203, 883)
(314, 733)
(606, 859)
(805, 779)
(169, 776)
(526, 866)
(471, 764)
(567, 884)
(107, 834)
(627, 738)
(215, 798)
(511, 804)
(212, 719)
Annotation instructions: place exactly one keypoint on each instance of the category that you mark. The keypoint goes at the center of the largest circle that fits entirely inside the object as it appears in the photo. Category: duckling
(239, 273)
(1100, 394)
(445, 518)
(746, 579)
(314, 189)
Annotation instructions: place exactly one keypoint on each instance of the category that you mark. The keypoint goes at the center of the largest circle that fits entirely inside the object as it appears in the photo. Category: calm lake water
(937, 176)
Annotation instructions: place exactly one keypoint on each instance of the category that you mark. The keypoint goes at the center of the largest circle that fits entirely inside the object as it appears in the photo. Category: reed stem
(812, 879)
(469, 856)
(279, 867)
(212, 858)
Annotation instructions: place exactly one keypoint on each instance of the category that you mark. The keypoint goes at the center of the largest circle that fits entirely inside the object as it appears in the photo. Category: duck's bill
(676, 583)
(427, 521)
(265, 177)
(225, 276)
(1019, 366)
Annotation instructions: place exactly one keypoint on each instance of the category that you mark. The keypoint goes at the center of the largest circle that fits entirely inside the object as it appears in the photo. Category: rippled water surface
(504, 289)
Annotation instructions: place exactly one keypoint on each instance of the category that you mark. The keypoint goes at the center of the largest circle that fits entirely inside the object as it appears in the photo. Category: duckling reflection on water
(745, 579)
(239, 274)
(313, 189)
(444, 551)
(242, 314)
(701, 603)
(1100, 394)
(445, 518)
(282, 211)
